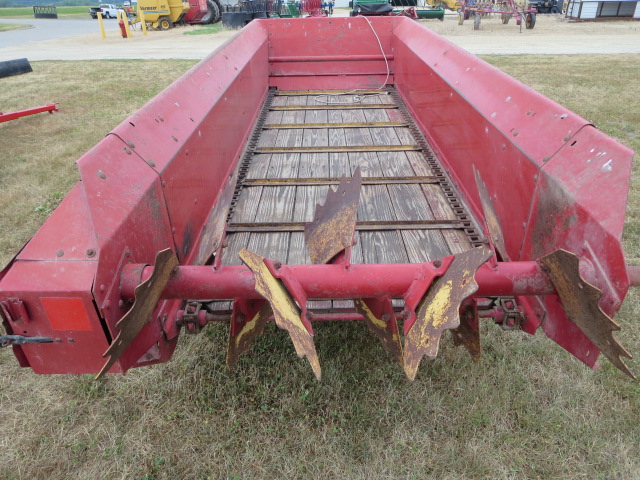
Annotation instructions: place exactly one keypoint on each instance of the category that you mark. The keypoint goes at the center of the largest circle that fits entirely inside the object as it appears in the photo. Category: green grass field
(5, 27)
(206, 29)
(527, 410)
(27, 12)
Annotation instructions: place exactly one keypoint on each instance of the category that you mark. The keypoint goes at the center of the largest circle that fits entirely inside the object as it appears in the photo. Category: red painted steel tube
(5, 117)
(317, 317)
(634, 275)
(335, 281)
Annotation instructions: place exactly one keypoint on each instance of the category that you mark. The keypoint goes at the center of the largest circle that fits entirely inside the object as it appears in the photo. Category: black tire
(476, 21)
(555, 10)
(214, 13)
(530, 21)
(106, 15)
(505, 18)
(218, 12)
(165, 23)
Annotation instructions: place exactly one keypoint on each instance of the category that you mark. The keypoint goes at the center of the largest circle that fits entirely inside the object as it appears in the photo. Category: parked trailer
(440, 208)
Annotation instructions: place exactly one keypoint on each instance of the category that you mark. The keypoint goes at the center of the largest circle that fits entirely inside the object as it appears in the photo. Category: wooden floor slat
(277, 196)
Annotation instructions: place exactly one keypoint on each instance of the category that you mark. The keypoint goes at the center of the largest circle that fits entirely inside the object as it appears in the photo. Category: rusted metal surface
(331, 230)
(247, 323)
(277, 182)
(370, 226)
(381, 320)
(285, 310)
(468, 332)
(339, 149)
(288, 126)
(147, 296)
(346, 106)
(580, 302)
(304, 93)
(490, 217)
(440, 309)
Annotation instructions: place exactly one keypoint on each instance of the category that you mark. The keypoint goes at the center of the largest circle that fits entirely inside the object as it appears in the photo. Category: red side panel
(336, 53)
(58, 303)
(149, 185)
(579, 205)
(193, 133)
(475, 115)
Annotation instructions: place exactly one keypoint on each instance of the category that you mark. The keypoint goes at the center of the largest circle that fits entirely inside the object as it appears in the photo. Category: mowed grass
(63, 12)
(206, 29)
(526, 410)
(5, 27)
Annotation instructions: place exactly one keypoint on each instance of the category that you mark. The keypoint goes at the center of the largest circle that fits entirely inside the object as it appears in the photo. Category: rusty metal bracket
(440, 308)
(503, 311)
(191, 317)
(331, 230)
(147, 295)
(381, 320)
(247, 322)
(285, 310)
(580, 302)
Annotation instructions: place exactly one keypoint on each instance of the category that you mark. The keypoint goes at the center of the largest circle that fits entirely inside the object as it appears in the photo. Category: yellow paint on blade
(437, 309)
(285, 311)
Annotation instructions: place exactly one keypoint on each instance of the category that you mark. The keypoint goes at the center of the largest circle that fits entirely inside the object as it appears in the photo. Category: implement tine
(285, 310)
(440, 308)
(147, 296)
(331, 230)
(580, 302)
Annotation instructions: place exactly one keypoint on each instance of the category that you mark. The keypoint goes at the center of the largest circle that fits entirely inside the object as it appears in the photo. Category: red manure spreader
(318, 169)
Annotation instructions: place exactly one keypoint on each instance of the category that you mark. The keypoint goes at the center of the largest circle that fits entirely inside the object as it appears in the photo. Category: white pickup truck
(108, 11)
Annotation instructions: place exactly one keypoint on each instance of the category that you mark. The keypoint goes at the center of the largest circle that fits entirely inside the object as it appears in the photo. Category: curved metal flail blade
(242, 332)
(580, 302)
(494, 229)
(468, 333)
(384, 326)
(147, 295)
(440, 308)
(331, 230)
(285, 310)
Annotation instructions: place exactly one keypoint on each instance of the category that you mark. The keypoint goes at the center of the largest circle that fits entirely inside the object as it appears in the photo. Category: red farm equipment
(203, 12)
(437, 208)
